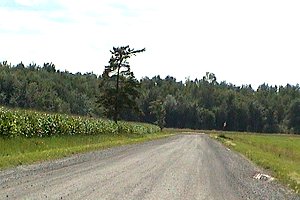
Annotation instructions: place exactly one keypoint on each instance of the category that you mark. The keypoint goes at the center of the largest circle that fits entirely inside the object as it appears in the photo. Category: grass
(28, 136)
(280, 154)
(20, 150)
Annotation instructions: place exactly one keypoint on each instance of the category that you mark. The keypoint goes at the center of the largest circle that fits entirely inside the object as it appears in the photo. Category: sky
(240, 41)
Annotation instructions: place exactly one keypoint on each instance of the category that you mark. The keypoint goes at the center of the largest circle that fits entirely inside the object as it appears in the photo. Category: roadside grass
(280, 154)
(20, 150)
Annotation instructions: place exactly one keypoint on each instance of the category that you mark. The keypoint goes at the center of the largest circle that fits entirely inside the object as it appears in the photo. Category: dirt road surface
(180, 167)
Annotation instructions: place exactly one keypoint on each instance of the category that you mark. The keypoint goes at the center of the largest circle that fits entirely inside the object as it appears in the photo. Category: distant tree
(207, 118)
(158, 108)
(198, 104)
(119, 86)
(293, 116)
(255, 122)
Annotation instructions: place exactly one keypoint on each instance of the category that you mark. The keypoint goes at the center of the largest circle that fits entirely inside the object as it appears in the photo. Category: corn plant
(28, 124)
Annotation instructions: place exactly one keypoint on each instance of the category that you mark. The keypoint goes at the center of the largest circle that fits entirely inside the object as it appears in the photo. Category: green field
(20, 150)
(28, 136)
(280, 154)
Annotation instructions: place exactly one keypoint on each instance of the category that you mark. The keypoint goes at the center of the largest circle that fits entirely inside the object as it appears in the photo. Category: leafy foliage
(207, 104)
(198, 104)
(158, 108)
(293, 116)
(47, 89)
(28, 124)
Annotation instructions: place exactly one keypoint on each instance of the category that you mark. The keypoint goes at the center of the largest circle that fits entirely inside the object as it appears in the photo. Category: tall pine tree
(119, 88)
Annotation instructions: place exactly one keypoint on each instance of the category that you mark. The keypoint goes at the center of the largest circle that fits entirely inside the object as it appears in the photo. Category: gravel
(190, 166)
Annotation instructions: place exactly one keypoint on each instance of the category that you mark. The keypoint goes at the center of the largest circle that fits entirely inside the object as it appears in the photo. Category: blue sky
(242, 42)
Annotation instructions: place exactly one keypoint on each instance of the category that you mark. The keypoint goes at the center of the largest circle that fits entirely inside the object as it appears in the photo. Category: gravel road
(180, 167)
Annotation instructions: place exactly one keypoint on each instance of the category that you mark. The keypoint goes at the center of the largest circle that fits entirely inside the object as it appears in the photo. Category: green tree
(119, 86)
(158, 108)
(207, 118)
(293, 116)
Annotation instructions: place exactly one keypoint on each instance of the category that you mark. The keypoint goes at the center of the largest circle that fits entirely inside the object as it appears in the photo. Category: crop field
(280, 154)
(15, 123)
(28, 136)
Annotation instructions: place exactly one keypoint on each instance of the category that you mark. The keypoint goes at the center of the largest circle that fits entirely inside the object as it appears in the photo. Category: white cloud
(240, 41)
(30, 2)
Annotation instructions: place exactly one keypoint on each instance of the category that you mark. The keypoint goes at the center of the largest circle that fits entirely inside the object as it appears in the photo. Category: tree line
(202, 103)
(44, 88)
(207, 104)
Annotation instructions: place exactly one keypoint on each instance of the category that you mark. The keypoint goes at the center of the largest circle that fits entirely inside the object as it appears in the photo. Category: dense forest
(202, 103)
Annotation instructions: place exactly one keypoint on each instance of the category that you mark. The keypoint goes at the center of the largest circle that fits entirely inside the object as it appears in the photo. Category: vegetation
(207, 104)
(29, 136)
(15, 123)
(202, 103)
(158, 109)
(20, 150)
(278, 153)
(119, 88)
(47, 89)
